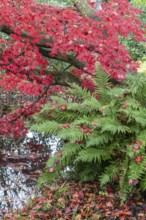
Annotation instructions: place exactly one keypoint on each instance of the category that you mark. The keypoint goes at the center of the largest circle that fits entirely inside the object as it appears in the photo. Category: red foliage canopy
(37, 33)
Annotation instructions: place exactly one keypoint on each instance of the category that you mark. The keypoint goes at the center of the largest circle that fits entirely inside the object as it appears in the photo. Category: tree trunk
(98, 5)
(85, 9)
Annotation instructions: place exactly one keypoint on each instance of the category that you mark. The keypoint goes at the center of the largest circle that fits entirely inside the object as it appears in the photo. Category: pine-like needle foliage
(104, 132)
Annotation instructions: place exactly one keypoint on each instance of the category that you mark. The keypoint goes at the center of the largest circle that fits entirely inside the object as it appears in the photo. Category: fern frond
(104, 96)
(137, 170)
(117, 92)
(77, 91)
(99, 139)
(51, 161)
(101, 79)
(39, 118)
(81, 108)
(72, 134)
(113, 126)
(85, 120)
(137, 115)
(141, 120)
(69, 151)
(137, 84)
(65, 116)
(48, 127)
(92, 104)
(43, 178)
(46, 108)
(143, 183)
(108, 174)
(142, 136)
(93, 155)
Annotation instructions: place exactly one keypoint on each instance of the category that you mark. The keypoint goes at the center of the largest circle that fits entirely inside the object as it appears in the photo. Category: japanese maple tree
(32, 35)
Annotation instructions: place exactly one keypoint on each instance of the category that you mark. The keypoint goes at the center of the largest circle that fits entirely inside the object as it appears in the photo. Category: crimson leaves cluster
(38, 32)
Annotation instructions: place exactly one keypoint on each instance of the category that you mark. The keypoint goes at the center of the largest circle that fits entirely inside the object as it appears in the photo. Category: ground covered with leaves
(78, 201)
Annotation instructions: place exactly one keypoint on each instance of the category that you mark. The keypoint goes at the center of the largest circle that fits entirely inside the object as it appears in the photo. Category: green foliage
(139, 3)
(104, 132)
(136, 49)
(61, 3)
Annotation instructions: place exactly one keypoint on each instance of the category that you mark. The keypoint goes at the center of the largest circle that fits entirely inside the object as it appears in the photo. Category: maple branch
(67, 58)
(5, 29)
(40, 97)
(63, 78)
(46, 50)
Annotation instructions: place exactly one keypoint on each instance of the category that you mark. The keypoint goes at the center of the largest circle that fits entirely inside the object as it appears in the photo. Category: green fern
(113, 126)
(143, 184)
(93, 155)
(78, 92)
(109, 173)
(102, 80)
(103, 135)
(72, 134)
(70, 151)
(48, 127)
(99, 140)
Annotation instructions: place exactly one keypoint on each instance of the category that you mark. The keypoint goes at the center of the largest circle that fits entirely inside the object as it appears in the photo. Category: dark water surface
(21, 163)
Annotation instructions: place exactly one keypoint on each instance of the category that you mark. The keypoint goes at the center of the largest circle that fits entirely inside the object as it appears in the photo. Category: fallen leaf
(78, 217)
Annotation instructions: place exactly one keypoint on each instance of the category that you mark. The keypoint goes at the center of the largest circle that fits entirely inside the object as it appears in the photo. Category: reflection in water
(20, 165)
(15, 189)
